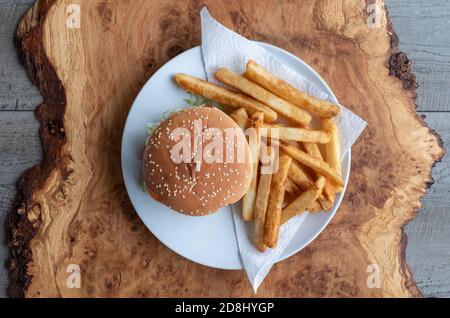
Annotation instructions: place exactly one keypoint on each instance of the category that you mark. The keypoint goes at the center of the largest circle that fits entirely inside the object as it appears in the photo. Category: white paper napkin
(222, 47)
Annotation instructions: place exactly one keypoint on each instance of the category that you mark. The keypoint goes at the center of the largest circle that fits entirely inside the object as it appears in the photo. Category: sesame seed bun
(202, 186)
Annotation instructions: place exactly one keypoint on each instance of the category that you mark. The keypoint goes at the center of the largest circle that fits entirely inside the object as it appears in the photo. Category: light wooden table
(423, 31)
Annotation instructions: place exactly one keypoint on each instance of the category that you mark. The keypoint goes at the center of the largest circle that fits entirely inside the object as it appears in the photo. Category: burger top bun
(191, 181)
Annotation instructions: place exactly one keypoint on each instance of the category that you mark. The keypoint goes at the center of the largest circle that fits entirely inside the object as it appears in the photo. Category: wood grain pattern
(74, 207)
(428, 234)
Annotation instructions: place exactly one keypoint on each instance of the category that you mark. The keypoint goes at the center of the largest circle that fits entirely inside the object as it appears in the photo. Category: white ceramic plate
(208, 240)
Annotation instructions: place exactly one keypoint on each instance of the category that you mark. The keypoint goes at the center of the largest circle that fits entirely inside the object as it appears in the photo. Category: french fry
(223, 96)
(314, 207)
(291, 187)
(241, 112)
(329, 192)
(283, 107)
(273, 215)
(248, 201)
(262, 199)
(257, 120)
(304, 181)
(263, 77)
(318, 165)
(243, 122)
(297, 134)
(333, 148)
(330, 189)
(299, 177)
(302, 203)
(313, 150)
(324, 202)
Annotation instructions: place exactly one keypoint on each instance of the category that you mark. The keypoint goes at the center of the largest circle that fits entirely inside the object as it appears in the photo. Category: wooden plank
(19, 144)
(423, 31)
(427, 251)
(16, 91)
(420, 28)
(439, 194)
(18, 132)
(7, 193)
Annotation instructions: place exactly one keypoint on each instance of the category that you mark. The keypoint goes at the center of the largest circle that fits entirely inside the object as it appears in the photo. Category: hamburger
(197, 161)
